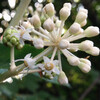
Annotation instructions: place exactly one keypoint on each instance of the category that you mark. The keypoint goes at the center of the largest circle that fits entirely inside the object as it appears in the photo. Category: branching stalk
(13, 66)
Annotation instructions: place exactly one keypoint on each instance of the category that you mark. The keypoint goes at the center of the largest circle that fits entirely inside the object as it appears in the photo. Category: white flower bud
(62, 78)
(81, 16)
(83, 23)
(64, 13)
(83, 10)
(30, 8)
(63, 44)
(58, 22)
(49, 25)
(84, 67)
(95, 51)
(86, 45)
(49, 9)
(74, 61)
(80, 31)
(74, 28)
(91, 31)
(26, 24)
(35, 21)
(86, 61)
(68, 5)
(38, 43)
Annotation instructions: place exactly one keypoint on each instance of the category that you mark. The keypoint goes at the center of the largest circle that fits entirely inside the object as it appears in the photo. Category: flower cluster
(45, 29)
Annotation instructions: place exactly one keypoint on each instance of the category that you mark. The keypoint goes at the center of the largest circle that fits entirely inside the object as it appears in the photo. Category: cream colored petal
(27, 36)
(46, 59)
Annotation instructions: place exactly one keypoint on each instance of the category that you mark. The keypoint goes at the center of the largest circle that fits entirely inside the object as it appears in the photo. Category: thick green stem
(20, 12)
(13, 66)
(11, 73)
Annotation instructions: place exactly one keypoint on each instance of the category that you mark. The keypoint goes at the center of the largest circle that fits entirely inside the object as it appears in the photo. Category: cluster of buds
(9, 39)
(45, 29)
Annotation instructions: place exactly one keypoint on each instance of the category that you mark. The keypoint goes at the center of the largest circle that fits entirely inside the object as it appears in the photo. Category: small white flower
(49, 67)
(28, 61)
(22, 36)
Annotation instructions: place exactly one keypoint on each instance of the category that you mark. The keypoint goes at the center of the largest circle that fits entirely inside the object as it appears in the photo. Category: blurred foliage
(32, 87)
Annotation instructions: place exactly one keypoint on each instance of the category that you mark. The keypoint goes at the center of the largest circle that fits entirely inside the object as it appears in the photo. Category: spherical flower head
(62, 78)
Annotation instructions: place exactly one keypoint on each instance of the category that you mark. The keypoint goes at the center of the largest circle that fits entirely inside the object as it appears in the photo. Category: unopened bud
(30, 9)
(86, 61)
(84, 67)
(35, 21)
(26, 24)
(49, 9)
(81, 16)
(63, 44)
(62, 78)
(38, 43)
(91, 31)
(95, 51)
(83, 23)
(86, 45)
(49, 25)
(64, 13)
(20, 46)
(74, 28)
(68, 5)
(74, 61)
